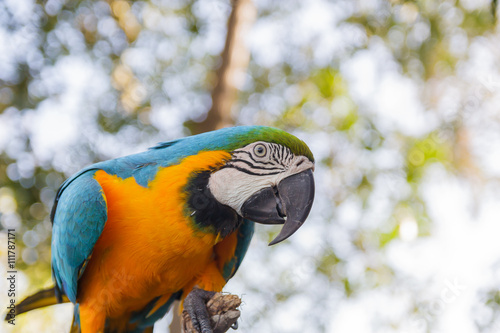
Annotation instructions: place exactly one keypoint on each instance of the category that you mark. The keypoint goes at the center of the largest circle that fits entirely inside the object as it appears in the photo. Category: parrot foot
(195, 305)
(210, 312)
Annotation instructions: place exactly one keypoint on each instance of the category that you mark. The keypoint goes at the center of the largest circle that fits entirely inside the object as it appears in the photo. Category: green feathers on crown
(251, 134)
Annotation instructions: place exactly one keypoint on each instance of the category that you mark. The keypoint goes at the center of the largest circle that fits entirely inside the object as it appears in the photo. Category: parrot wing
(78, 216)
(243, 238)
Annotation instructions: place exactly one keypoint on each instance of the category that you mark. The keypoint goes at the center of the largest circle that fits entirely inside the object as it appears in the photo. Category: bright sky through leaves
(397, 100)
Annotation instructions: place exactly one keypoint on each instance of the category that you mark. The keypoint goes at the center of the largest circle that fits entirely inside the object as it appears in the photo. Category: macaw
(133, 234)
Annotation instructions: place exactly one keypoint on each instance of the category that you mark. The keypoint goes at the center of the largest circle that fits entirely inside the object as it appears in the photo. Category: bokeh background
(398, 100)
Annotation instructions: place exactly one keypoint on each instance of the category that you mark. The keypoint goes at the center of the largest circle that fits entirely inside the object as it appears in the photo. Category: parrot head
(268, 179)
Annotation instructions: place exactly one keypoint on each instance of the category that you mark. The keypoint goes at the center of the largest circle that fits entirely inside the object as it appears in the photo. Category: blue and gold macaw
(133, 234)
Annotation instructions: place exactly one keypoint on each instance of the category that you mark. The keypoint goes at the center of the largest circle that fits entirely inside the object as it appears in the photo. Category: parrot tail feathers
(75, 325)
(41, 299)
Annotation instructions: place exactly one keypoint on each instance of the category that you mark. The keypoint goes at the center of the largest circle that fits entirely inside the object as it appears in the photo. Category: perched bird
(133, 234)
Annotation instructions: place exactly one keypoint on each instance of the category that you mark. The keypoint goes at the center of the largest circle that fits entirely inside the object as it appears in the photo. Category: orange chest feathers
(148, 246)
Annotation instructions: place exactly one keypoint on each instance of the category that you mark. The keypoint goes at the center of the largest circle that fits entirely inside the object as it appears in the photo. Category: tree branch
(234, 62)
(222, 308)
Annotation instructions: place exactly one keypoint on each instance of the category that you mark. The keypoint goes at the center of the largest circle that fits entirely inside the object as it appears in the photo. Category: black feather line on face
(207, 213)
(253, 166)
(275, 162)
(251, 172)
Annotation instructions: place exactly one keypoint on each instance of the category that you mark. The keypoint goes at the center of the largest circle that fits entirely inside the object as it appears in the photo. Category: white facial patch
(252, 168)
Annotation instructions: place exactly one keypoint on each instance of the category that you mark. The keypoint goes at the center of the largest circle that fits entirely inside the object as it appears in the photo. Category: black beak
(289, 203)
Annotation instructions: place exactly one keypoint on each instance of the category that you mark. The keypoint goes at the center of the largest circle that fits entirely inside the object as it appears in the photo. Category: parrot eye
(260, 150)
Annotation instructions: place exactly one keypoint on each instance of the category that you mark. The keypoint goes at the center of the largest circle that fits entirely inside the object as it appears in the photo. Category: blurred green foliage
(160, 57)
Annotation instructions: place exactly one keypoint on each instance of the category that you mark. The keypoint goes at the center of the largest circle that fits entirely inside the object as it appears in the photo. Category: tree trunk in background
(230, 74)
(175, 325)
(234, 63)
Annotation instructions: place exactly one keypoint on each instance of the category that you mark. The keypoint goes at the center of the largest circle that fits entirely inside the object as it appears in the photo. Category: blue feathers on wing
(77, 224)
